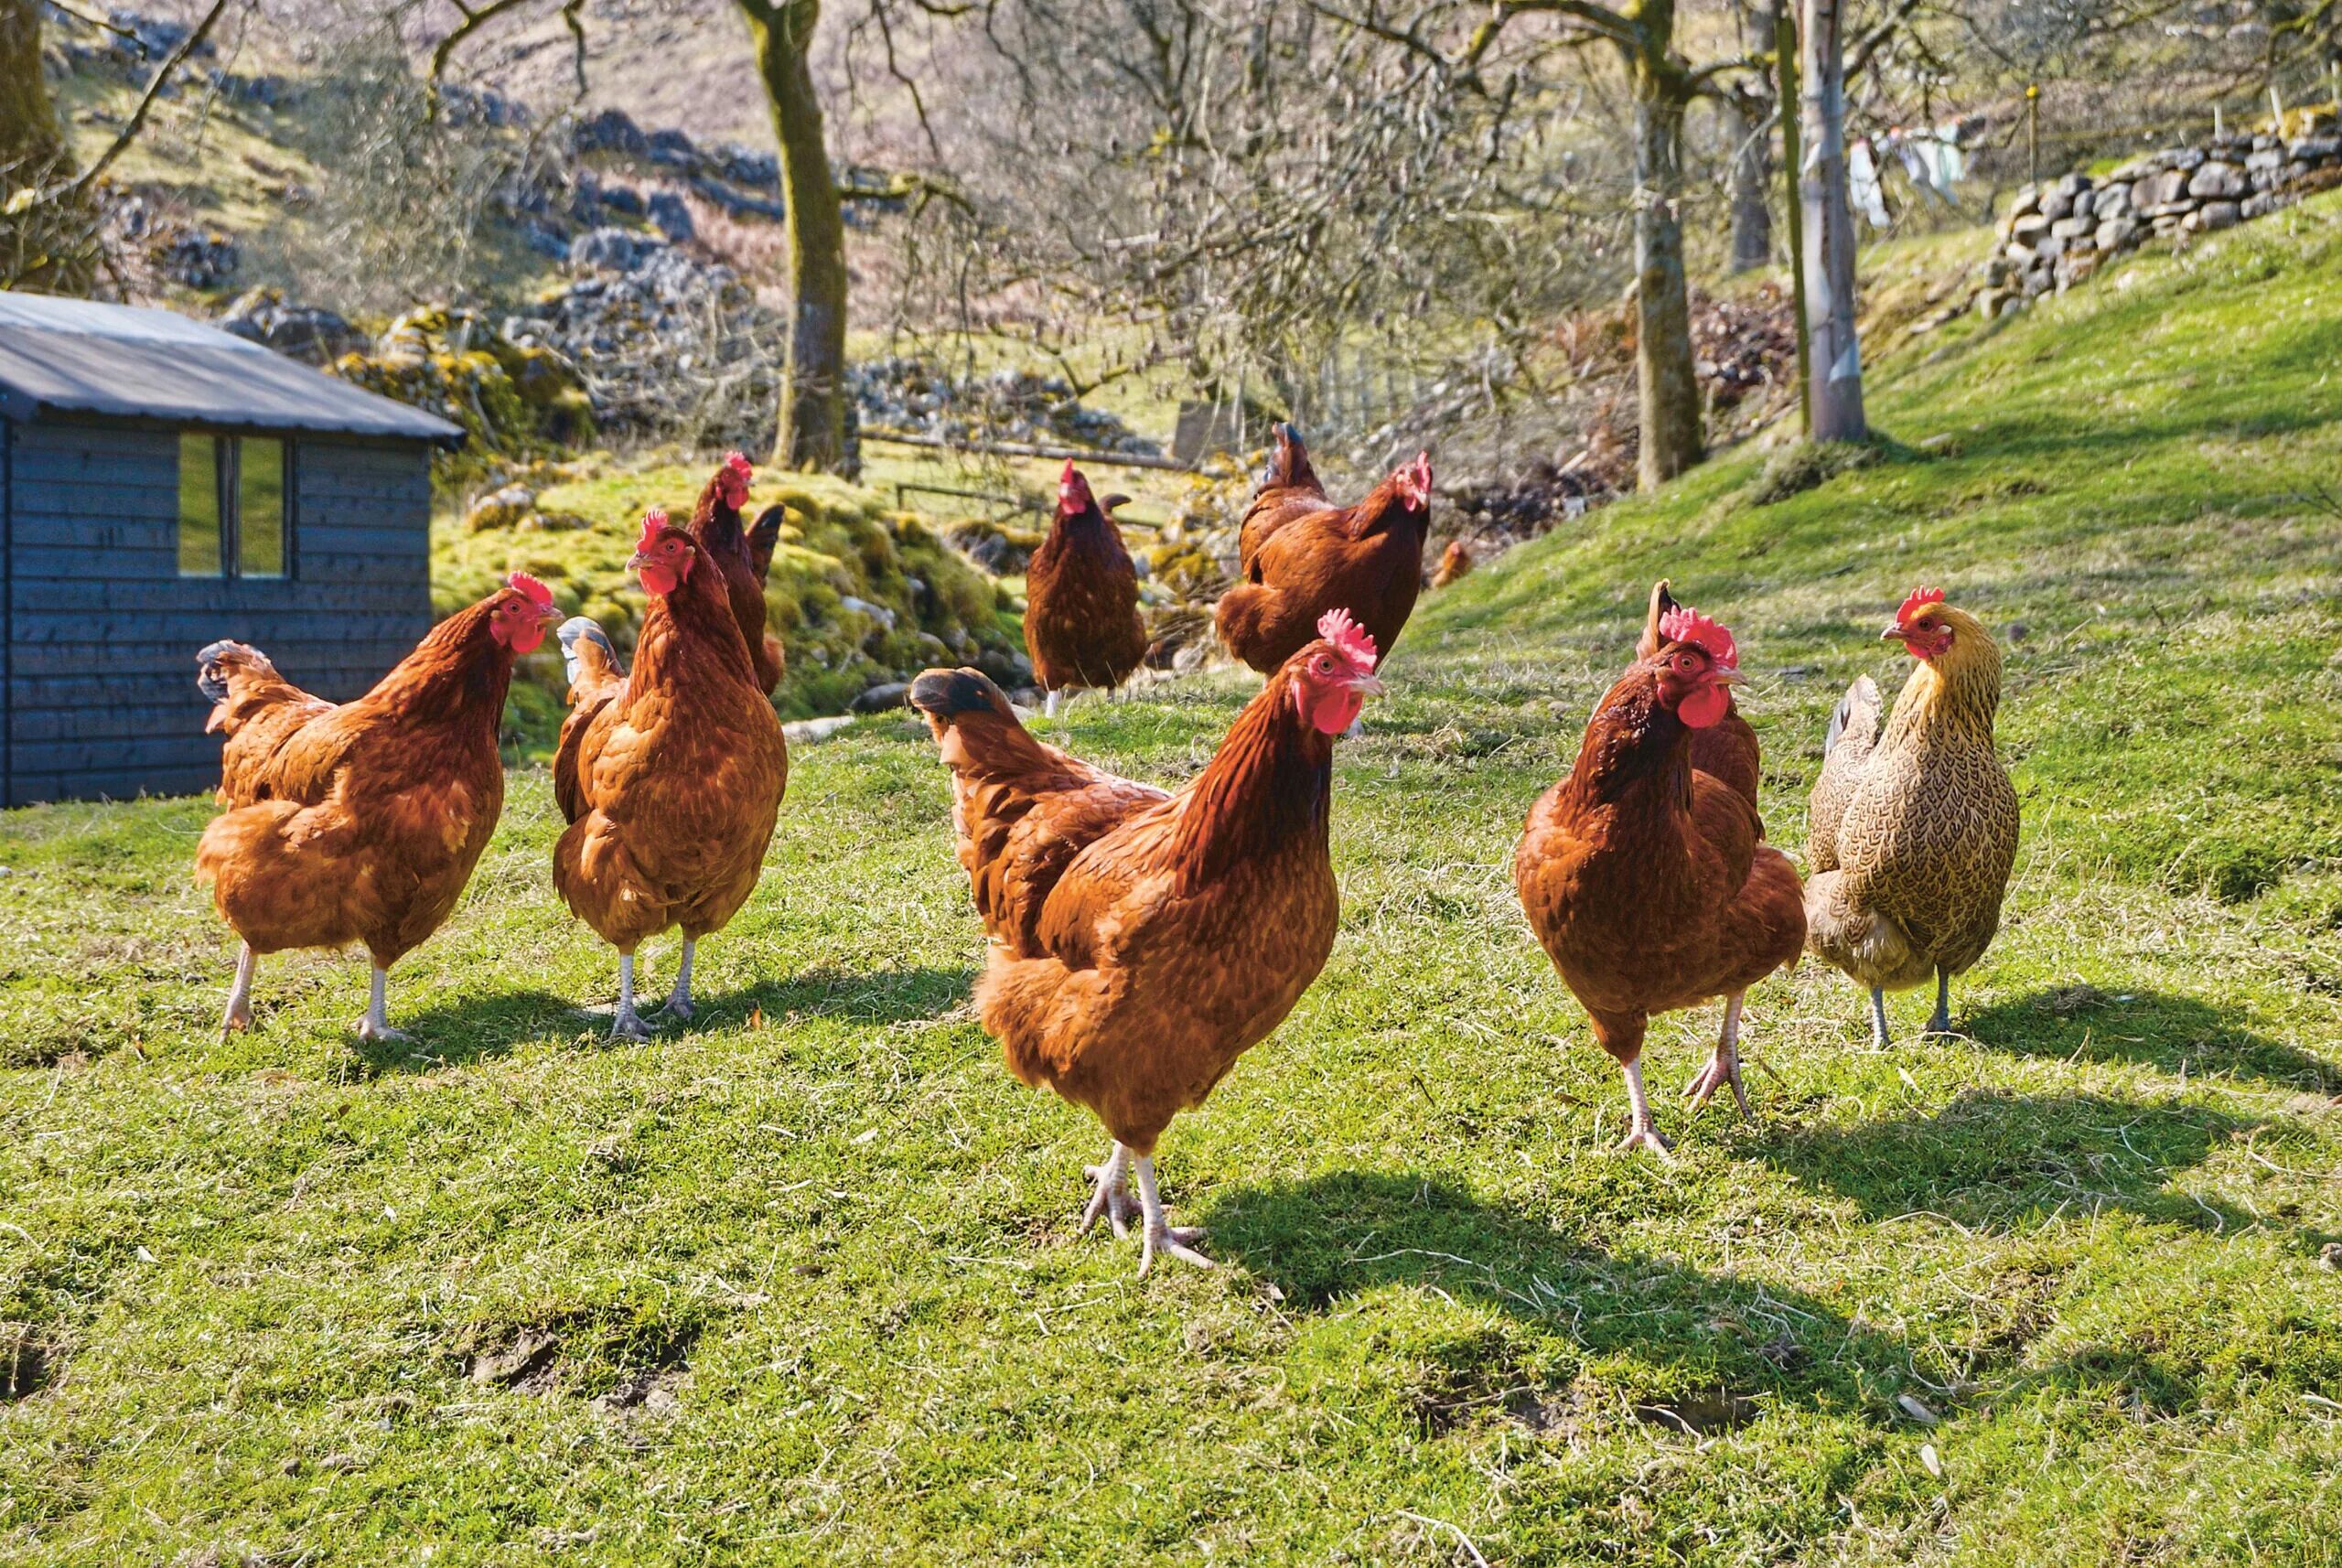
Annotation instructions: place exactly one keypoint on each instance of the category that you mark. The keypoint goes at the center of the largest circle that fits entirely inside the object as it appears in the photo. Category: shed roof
(76, 356)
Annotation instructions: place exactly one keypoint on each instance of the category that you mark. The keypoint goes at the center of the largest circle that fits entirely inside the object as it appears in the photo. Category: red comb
(1073, 486)
(537, 592)
(652, 522)
(1683, 624)
(1349, 637)
(1921, 599)
(739, 463)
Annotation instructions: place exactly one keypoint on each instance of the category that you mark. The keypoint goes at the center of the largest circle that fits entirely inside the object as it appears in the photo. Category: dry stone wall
(2057, 234)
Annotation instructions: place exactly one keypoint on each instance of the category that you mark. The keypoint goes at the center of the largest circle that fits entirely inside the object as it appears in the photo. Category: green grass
(810, 1265)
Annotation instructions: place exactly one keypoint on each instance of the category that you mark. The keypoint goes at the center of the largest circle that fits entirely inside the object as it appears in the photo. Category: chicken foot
(1643, 1131)
(1049, 705)
(1941, 1022)
(240, 993)
(1881, 1037)
(1161, 1235)
(679, 1000)
(1724, 1066)
(627, 1024)
(1111, 1196)
(376, 1025)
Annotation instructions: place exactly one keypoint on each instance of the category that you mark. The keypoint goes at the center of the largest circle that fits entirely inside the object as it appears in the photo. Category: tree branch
(137, 121)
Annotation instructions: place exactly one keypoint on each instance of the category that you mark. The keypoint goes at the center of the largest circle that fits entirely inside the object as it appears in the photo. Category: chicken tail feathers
(1855, 718)
(764, 537)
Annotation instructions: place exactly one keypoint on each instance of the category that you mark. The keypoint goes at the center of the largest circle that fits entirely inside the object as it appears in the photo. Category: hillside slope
(800, 1282)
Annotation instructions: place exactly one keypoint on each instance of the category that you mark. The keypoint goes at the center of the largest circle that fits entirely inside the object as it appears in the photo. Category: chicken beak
(1895, 633)
(1728, 675)
(636, 562)
(1366, 685)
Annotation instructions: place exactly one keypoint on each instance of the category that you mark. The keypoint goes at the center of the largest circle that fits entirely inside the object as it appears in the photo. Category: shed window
(235, 520)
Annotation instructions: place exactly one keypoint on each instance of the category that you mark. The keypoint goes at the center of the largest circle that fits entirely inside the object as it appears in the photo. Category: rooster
(1301, 556)
(361, 821)
(1914, 830)
(1644, 874)
(671, 776)
(1142, 942)
(1081, 620)
(716, 528)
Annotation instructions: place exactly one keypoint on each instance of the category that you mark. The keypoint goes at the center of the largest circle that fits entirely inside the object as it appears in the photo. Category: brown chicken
(1455, 564)
(1081, 620)
(1301, 556)
(1142, 942)
(1644, 875)
(671, 776)
(361, 821)
(716, 528)
(1913, 830)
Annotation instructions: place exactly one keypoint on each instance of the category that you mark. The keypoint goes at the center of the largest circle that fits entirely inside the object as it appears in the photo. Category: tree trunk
(1752, 178)
(1668, 391)
(49, 246)
(811, 431)
(1834, 372)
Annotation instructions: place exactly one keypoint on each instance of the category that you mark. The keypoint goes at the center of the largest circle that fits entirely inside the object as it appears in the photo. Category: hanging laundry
(1862, 183)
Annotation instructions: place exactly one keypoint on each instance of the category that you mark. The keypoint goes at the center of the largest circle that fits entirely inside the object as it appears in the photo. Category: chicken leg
(1643, 1131)
(240, 993)
(376, 1025)
(1111, 1196)
(1881, 1037)
(1161, 1235)
(679, 1000)
(1049, 705)
(627, 1024)
(1941, 1022)
(1724, 1066)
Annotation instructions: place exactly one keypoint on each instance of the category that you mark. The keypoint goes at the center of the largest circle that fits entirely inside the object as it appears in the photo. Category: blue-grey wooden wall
(102, 697)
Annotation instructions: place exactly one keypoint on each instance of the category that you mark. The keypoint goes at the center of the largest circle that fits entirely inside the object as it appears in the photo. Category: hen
(1301, 556)
(361, 821)
(716, 528)
(670, 777)
(1913, 830)
(1455, 564)
(1081, 620)
(1142, 942)
(1644, 874)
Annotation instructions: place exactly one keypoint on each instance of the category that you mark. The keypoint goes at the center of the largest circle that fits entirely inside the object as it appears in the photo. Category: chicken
(1142, 942)
(716, 528)
(1081, 620)
(1914, 829)
(1301, 556)
(361, 821)
(1455, 563)
(1644, 875)
(671, 776)
(1728, 747)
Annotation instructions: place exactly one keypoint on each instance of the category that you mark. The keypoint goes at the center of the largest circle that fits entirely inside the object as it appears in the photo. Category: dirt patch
(28, 1361)
(618, 1365)
(1702, 1412)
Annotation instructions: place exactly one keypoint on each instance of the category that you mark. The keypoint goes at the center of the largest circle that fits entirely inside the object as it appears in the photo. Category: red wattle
(525, 641)
(1703, 706)
(657, 579)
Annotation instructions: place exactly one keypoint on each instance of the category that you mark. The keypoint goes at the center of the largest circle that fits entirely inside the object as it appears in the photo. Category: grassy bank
(798, 1282)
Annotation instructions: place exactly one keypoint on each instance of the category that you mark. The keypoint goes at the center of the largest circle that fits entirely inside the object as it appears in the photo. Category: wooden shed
(162, 484)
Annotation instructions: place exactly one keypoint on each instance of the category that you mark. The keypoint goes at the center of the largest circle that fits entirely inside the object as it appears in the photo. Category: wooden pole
(2033, 133)
(1785, 60)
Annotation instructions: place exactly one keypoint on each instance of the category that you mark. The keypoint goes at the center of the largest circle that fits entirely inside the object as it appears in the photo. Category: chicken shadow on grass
(2004, 1163)
(462, 1029)
(872, 996)
(2081, 1023)
(1714, 1350)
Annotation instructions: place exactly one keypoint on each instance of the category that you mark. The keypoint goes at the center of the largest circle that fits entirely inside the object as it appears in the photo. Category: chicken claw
(627, 1024)
(679, 1001)
(1642, 1131)
(1111, 1196)
(1724, 1066)
(375, 1026)
(240, 994)
(1161, 1235)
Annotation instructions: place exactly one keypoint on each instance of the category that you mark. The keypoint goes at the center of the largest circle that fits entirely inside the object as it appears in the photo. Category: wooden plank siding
(103, 632)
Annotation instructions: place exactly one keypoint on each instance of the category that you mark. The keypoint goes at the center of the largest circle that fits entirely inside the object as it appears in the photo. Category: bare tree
(1834, 370)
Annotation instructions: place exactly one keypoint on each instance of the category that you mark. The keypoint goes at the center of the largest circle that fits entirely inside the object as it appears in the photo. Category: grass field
(798, 1282)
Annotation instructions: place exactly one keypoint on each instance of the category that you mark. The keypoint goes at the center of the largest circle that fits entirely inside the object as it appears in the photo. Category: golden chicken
(1914, 829)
